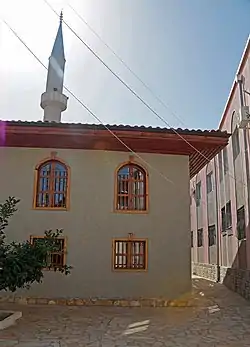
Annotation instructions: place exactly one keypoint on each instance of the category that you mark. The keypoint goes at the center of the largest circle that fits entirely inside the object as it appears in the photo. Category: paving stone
(8, 343)
(81, 326)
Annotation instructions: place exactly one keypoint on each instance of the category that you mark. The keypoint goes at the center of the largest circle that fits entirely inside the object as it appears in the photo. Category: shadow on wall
(237, 278)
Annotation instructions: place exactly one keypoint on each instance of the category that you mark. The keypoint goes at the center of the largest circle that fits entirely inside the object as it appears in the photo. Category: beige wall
(90, 224)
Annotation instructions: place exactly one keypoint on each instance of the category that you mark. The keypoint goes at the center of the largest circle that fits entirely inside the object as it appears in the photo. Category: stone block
(21, 301)
(134, 303)
(31, 301)
(42, 301)
(71, 302)
(124, 303)
(52, 302)
(61, 302)
(116, 303)
(146, 302)
(79, 302)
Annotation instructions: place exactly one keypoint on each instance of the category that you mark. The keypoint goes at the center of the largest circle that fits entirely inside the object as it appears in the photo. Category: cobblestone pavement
(221, 319)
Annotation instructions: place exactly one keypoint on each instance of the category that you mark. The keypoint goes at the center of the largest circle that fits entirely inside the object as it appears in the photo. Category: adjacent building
(220, 195)
(120, 194)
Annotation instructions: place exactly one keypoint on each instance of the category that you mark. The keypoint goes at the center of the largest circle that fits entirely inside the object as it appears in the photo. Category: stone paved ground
(221, 319)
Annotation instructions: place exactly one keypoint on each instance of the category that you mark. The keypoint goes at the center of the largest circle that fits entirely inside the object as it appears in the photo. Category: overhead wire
(137, 95)
(125, 84)
(167, 107)
(91, 112)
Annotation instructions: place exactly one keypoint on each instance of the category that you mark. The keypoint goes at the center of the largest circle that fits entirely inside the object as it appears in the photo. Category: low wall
(208, 271)
(188, 302)
(235, 279)
(238, 281)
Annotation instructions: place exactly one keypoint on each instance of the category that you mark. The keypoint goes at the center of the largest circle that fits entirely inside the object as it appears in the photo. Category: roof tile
(114, 127)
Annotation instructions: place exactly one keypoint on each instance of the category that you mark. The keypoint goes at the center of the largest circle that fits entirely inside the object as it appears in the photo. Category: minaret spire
(61, 17)
(53, 101)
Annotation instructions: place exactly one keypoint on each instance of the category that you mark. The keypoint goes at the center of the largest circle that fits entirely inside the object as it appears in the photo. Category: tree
(22, 264)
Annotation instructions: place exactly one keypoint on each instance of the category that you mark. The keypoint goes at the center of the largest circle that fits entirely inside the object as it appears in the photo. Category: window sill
(228, 229)
(131, 211)
(240, 240)
(50, 270)
(130, 270)
(51, 208)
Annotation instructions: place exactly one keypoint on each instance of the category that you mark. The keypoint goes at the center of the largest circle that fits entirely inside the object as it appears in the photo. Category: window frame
(236, 143)
(198, 196)
(209, 179)
(225, 161)
(223, 220)
(241, 210)
(200, 231)
(142, 168)
(220, 164)
(64, 252)
(226, 222)
(228, 216)
(36, 185)
(212, 227)
(128, 239)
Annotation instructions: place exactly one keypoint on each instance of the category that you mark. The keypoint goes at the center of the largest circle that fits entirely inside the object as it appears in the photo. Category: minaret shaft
(53, 101)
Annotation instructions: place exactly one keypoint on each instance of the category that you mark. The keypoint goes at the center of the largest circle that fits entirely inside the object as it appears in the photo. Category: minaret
(53, 101)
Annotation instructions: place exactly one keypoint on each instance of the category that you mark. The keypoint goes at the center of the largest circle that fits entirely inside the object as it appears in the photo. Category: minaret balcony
(54, 99)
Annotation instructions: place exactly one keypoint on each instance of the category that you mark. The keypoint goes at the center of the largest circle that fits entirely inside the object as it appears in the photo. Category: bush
(22, 264)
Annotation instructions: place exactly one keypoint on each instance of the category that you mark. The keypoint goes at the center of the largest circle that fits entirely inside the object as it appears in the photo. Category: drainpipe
(240, 81)
(218, 223)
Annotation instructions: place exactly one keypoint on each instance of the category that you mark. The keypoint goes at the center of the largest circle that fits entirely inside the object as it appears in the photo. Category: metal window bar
(130, 255)
(56, 258)
(52, 185)
(131, 193)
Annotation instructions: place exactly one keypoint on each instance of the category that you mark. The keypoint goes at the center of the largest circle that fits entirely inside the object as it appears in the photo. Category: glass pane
(120, 255)
(131, 188)
(138, 255)
(52, 185)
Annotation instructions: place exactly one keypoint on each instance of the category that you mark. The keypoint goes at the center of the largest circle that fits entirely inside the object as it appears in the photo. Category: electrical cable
(134, 93)
(89, 111)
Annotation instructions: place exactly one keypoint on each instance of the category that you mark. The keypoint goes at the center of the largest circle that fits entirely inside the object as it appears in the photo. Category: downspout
(240, 80)
(218, 223)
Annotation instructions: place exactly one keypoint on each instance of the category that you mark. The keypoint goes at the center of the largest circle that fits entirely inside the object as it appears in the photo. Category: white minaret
(53, 101)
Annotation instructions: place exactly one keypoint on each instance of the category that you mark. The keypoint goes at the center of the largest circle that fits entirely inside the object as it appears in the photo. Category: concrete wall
(232, 185)
(211, 213)
(91, 223)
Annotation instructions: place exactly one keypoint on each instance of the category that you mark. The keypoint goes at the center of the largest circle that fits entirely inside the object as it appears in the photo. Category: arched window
(51, 185)
(131, 192)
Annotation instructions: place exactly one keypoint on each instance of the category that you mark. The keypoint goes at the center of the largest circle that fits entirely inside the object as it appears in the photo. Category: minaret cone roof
(58, 48)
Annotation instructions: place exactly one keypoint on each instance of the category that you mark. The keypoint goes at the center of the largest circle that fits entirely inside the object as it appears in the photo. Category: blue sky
(186, 51)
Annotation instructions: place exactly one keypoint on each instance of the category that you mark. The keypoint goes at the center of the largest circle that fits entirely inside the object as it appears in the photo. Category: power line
(126, 85)
(134, 93)
(91, 112)
(167, 107)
